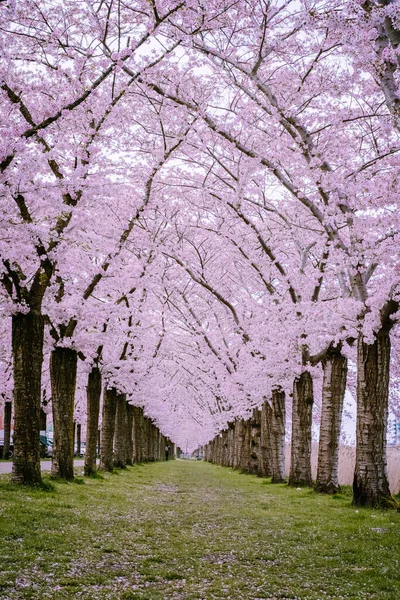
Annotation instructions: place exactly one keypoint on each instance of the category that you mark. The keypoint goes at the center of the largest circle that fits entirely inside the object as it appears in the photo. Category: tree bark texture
(63, 366)
(7, 430)
(277, 436)
(120, 441)
(156, 442)
(149, 439)
(93, 394)
(239, 438)
(43, 420)
(303, 399)
(370, 484)
(172, 450)
(145, 439)
(333, 389)
(246, 447)
(231, 444)
(265, 439)
(129, 431)
(134, 436)
(227, 441)
(138, 432)
(27, 348)
(107, 429)
(255, 465)
(163, 442)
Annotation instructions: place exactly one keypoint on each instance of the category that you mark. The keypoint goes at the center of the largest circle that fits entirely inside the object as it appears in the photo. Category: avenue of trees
(200, 226)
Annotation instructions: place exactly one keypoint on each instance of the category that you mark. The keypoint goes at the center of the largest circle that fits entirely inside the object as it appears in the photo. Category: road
(6, 467)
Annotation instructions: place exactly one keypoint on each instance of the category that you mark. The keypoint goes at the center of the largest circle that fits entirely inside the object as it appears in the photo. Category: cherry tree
(61, 74)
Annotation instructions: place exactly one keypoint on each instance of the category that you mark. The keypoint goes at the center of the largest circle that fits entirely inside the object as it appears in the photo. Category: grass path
(187, 530)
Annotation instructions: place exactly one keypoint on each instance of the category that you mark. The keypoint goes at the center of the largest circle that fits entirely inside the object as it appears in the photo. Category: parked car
(46, 447)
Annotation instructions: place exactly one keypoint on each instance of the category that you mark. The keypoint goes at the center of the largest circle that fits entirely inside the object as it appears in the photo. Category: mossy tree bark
(154, 437)
(7, 430)
(149, 439)
(137, 423)
(239, 438)
(231, 443)
(227, 443)
(255, 463)
(149, 434)
(265, 439)
(277, 436)
(370, 484)
(93, 392)
(129, 431)
(63, 366)
(120, 441)
(303, 399)
(43, 420)
(161, 447)
(333, 389)
(143, 432)
(246, 447)
(27, 349)
(134, 437)
(107, 429)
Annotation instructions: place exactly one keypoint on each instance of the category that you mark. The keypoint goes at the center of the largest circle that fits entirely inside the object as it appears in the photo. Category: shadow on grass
(78, 481)
(9, 486)
(95, 475)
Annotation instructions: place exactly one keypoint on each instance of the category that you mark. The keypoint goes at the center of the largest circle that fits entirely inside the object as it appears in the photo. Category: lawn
(187, 530)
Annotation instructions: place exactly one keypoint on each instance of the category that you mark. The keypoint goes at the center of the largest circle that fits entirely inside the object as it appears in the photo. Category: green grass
(187, 530)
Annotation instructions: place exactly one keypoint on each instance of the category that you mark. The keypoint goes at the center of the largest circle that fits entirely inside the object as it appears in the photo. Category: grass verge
(187, 530)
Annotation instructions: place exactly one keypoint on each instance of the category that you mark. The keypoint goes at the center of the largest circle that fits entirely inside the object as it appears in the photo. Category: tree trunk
(129, 429)
(246, 447)
(136, 434)
(78, 438)
(140, 435)
(333, 389)
(370, 484)
(238, 435)
(135, 442)
(27, 348)
(265, 439)
(155, 442)
(303, 399)
(93, 409)
(147, 429)
(43, 420)
(231, 443)
(107, 429)
(171, 450)
(277, 436)
(120, 433)
(7, 430)
(63, 366)
(255, 463)
(149, 434)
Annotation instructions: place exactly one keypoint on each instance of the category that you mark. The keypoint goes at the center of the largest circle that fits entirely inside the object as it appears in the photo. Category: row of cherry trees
(199, 207)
